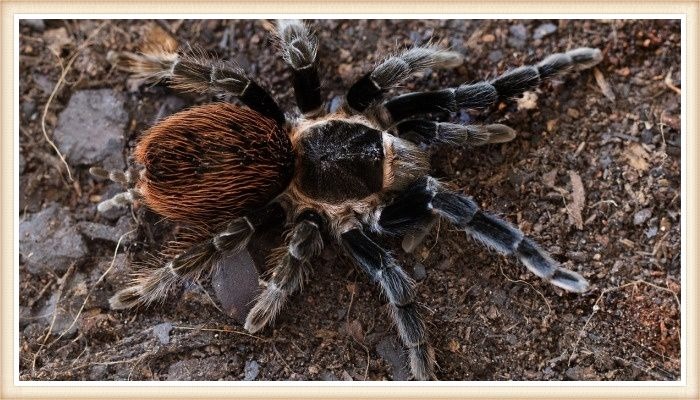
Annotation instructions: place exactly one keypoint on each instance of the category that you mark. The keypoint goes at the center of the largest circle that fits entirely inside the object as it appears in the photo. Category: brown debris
(578, 196)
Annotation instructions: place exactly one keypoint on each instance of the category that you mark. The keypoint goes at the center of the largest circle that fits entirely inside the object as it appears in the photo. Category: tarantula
(351, 174)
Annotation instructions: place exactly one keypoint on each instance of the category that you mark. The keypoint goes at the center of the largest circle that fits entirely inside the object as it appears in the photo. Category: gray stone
(49, 241)
(28, 108)
(252, 369)
(393, 353)
(642, 216)
(544, 30)
(162, 332)
(205, 369)
(495, 56)
(94, 231)
(98, 372)
(518, 34)
(419, 272)
(518, 31)
(90, 131)
(235, 282)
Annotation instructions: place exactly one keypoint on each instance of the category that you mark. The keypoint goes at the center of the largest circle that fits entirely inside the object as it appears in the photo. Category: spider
(349, 176)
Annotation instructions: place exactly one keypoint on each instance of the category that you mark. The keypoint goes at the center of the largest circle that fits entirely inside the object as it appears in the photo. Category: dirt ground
(593, 176)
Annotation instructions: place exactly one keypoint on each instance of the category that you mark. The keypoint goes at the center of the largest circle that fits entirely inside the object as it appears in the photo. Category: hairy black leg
(399, 290)
(394, 70)
(484, 94)
(195, 71)
(299, 49)
(427, 196)
(152, 285)
(425, 131)
(304, 243)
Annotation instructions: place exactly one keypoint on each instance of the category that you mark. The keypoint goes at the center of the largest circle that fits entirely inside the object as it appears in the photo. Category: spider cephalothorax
(229, 170)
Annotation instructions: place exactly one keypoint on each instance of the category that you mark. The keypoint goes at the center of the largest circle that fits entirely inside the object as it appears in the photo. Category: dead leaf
(637, 156)
(454, 346)
(603, 84)
(550, 177)
(354, 328)
(578, 199)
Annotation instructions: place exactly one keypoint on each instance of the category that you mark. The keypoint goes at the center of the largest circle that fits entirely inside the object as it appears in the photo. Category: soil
(593, 176)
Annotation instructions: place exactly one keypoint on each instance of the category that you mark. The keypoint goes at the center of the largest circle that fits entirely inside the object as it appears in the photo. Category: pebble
(335, 103)
(518, 31)
(251, 371)
(642, 216)
(98, 372)
(495, 56)
(162, 332)
(199, 369)
(544, 30)
(90, 130)
(49, 241)
(235, 282)
(580, 374)
(419, 272)
(393, 353)
(518, 34)
(28, 108)
(95, 231)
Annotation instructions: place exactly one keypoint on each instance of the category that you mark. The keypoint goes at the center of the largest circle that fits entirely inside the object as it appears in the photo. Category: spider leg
(399, 290)
(394, 70)
(195, 71)
(427, 196)
(482, 95)
(304, 243)
(152, 285)
(428, 132)
(299, 49)
(126, 179)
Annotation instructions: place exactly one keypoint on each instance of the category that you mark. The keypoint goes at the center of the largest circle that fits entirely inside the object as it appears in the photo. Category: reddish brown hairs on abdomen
(209, 164)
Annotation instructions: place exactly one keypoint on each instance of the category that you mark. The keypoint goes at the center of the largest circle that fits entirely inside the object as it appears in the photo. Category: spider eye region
(340, 160)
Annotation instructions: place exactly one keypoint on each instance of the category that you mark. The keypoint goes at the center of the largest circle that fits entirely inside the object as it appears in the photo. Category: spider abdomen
(211, 163)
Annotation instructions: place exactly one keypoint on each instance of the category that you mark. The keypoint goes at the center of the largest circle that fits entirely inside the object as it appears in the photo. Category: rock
(335, 103)
(90, 131)
(95, 231)
(518, 34)
(204, 369)
(393, 353)
(581, 374)
(98, 372)
(419, 272)
(328, 376)
(251, 370)
(49, 241)
(495, 56)
(63, 307)
(544, 30)
(170, 106)
(642, 216)
(518, 31)
(28, 108)
(235, 282)
(162, 332)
